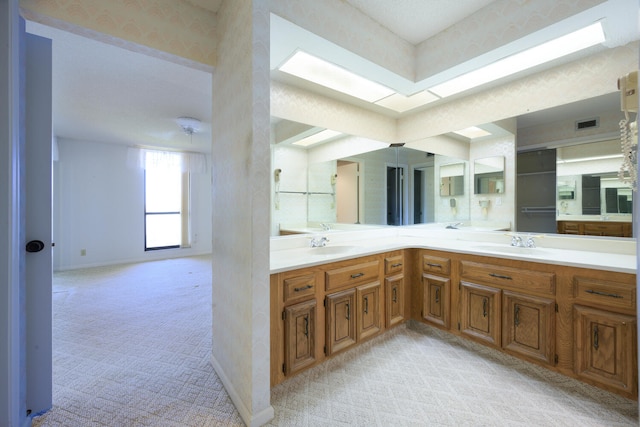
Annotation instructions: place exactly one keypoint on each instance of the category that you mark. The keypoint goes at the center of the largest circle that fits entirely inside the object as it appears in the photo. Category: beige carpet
(132, 346)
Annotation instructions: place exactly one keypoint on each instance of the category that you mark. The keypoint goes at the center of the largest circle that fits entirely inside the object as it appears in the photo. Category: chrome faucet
(318, 242)
(325, 227)
(517, 241)
(530, 243)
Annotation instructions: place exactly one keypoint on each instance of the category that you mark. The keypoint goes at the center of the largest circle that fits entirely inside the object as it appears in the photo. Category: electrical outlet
(83, 252)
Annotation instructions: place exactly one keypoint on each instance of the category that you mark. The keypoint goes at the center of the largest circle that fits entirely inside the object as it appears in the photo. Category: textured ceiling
(417, 20)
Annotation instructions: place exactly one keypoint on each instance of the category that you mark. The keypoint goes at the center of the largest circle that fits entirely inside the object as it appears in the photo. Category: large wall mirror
(380, 187)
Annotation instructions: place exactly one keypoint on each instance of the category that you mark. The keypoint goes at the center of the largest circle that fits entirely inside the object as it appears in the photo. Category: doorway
(396, 195)
(348, 192)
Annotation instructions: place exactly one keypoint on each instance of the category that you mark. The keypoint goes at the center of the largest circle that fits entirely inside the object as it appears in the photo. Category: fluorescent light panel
(401, 103)
(324, 73)
(472, 132)
(589, 159)
(317, 138)
(562, 46)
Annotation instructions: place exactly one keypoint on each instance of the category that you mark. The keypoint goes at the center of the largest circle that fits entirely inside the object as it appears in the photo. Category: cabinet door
(341, 320)
(605, 344)
(528, 325)
(299, 336)
(394, 300)
(368, 320)
(480, 312)
(435, 306)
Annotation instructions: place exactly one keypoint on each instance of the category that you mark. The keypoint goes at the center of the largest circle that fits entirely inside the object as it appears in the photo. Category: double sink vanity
(563, 302)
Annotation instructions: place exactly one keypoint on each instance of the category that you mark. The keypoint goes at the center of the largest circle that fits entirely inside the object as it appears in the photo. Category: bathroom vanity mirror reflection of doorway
(488, 175)
(452, 179)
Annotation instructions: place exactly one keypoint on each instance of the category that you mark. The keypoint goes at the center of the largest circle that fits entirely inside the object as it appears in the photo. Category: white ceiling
(107, 94)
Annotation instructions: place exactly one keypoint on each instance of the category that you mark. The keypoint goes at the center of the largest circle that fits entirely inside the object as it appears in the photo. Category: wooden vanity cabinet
(341, 321)
(436, 289)
(394, 285)
(299, 336)
(596, 228)
(509, 308)
(435, 300)
(605, 340)
(528, 326)
(480, 312)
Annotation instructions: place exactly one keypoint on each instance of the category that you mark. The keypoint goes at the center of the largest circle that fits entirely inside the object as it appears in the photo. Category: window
(166, 202)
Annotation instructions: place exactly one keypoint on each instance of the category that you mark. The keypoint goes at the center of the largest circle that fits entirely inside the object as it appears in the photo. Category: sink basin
(330, 250)
(507, 249)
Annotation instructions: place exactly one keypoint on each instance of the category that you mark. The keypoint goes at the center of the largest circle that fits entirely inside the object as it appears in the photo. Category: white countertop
(610, 254)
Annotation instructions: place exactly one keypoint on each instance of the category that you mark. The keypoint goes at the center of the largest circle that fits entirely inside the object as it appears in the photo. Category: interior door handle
(35, 246)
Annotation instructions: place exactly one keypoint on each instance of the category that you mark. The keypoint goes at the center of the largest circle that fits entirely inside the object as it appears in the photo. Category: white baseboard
(148, 256)
(250, 419)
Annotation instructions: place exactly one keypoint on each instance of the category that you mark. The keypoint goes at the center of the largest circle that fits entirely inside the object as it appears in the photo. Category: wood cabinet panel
(436, 264)
(368, 311)
(480, 312)
(341, 321)
(528, 326)
(509, 277)
(604, 293)
(436, 299)
(393, 264)
(299, 336)
(604, 345)
(299, 287)
(352, 275)
(596, 228)
(394, 300)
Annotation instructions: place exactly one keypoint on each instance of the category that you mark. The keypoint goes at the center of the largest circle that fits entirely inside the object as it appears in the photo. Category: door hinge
(458, 325)
(555, 359)
(283, 369)
(284, 315)
(556, 307)
(324, 349)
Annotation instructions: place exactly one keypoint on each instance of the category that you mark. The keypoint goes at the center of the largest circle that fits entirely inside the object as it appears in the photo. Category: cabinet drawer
(604, 293)
(606, 229)
(299, 287)
(393, 264)
(351, 275)
(436, 264)
(509, 277)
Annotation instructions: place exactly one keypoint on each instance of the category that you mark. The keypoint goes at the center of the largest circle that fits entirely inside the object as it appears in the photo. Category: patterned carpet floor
(132, 345)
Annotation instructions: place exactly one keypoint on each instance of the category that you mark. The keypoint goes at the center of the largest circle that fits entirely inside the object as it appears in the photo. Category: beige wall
(241, 207)
(173, 29)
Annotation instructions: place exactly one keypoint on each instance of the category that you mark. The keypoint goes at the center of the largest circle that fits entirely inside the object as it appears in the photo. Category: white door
(37, 245)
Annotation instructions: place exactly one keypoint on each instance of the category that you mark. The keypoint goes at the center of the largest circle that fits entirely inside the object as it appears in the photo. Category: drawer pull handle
(366, 305)
(484, 307)
(396, 265)
(304, 288)
(434, 265)
(348, 311)
(605, 294)
(595, 337)
(516, 315)
(355, 276)
(306, 326)
(395, 295)
(500, 276)
(437, 296)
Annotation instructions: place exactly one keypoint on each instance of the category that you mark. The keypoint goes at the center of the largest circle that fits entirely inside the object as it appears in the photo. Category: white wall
(99, 207)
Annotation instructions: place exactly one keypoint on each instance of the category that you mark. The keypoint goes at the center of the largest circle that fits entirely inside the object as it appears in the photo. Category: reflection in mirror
(488, 175)
(588, 182)
(452, 179)
(395, 185)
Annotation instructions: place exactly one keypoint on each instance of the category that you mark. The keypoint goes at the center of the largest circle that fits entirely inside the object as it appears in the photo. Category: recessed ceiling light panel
(316, 70)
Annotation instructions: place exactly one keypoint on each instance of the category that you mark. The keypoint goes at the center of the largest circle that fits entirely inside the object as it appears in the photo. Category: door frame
(12, 279)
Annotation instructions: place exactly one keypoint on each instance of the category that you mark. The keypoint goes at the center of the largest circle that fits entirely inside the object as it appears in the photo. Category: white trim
(251, 420)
